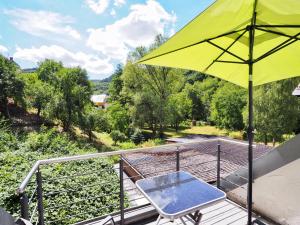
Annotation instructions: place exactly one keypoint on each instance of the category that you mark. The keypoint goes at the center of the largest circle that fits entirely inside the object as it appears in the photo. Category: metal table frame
(193, 212)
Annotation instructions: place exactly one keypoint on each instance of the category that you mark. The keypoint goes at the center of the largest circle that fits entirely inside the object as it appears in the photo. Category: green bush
(84, 189)
(117, 136)
(137, 137)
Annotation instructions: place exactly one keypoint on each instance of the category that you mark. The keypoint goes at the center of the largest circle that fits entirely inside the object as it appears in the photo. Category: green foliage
(207, 89)
(276, 111)
(10, 85)
(137, 137)
(94, 120)
(117, 136)
(148, 84)
(38, 93)
(116, 85)
(118, 117)
(99, 87)
(73, 92)
(193, 94)
(47, 71)
(89, 186)
(227, 107)
(180, 108)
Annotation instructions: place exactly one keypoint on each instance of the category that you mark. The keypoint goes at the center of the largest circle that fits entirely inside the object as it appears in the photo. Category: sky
(93, 34)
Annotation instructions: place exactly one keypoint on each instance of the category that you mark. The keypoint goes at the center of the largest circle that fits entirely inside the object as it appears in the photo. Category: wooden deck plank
(223, 213)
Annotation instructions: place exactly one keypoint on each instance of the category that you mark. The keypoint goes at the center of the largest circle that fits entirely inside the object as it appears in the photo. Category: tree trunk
(266, 139)
(39, 111)
(90, 135)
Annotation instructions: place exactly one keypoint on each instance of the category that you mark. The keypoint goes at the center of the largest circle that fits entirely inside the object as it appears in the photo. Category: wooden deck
(223, 213)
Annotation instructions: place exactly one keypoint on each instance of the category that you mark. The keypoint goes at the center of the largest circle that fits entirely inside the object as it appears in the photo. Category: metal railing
(39, 201)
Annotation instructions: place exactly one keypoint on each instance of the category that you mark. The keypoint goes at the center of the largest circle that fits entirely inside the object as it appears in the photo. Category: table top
(179, 193)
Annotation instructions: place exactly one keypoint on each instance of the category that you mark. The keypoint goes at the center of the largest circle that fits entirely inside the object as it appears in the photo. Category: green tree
(276, 111)
(159, 82)
(227, 107)
(93, 120)
(38, 93)
(118, 117)
(117, 136)
(194, 94)
(10, 86)
(47, 70)
(116, 85)
(73, 92)
(207, 89)
(180, 109)
(145, 111)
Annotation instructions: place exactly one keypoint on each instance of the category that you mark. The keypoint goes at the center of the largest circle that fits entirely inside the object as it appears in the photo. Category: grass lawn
(206, 130)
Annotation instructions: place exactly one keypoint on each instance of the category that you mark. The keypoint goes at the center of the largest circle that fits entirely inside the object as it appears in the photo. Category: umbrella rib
(225, 50)
(282, 45)
(279, 25)
(228, 61)
(278, 33)
(191, 45)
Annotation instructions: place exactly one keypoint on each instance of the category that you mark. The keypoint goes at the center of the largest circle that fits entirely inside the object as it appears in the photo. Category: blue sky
(93, 34)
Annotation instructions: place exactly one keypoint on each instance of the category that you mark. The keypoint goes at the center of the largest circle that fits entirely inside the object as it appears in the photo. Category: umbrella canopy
(217, 42)
(246, 42)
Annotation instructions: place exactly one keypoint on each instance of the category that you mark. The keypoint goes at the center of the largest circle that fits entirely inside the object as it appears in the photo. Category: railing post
(24, 206)
(218, 165)
(40, 197)
(121, 191)
(177, 159)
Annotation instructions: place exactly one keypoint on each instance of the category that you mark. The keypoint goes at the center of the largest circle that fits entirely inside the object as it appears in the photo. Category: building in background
(100, 101)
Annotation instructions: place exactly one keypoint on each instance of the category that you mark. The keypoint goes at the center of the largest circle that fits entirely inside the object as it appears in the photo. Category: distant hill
(100, 87)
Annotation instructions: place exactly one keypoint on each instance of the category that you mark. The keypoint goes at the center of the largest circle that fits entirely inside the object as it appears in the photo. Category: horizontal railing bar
(75, 202)
(24, 183)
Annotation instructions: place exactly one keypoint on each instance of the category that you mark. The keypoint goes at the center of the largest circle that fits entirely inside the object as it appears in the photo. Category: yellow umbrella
(246, 42)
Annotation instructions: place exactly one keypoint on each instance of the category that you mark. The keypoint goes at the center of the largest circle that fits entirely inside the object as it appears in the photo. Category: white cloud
(93, 64)
(98, 6)
(113, 12)
(140, 27)
(3, 49)
(43, 23)
(119, 3)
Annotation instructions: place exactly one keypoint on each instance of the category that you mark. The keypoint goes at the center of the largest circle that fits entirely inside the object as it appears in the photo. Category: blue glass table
(179, 194)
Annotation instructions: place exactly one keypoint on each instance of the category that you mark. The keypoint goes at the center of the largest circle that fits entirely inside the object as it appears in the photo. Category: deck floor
(223, 213)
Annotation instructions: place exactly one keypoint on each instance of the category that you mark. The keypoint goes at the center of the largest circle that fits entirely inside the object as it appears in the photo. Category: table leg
(196, 217)
(158, 220)
(183, 222)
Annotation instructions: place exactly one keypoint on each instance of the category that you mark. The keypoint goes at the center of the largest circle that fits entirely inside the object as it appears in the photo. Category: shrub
(117, 136)
(98, 174)
(137, 137)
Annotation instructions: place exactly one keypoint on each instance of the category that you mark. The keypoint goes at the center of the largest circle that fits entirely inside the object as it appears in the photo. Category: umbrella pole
(250, 149)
